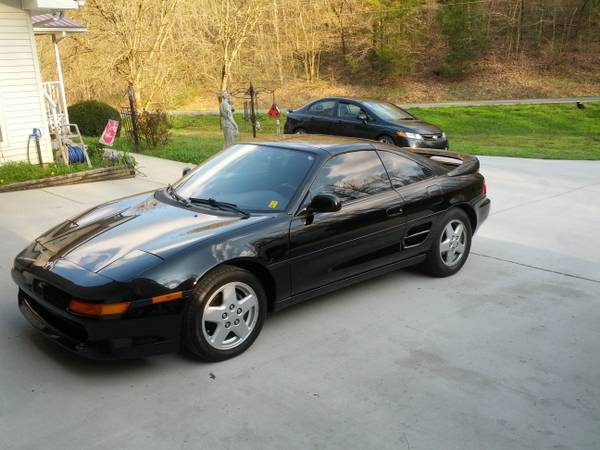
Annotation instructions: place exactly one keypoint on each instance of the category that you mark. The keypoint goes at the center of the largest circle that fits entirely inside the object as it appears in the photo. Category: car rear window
(322, 108)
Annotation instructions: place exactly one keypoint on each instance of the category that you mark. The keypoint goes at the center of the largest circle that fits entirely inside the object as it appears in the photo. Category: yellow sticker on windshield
(273, 204)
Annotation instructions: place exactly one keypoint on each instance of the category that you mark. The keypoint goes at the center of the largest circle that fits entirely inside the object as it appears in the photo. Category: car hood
(417, 126)
(131, 226)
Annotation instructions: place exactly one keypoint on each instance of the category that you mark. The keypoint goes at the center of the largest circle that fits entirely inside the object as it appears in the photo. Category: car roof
(356, 99)
(318, 143)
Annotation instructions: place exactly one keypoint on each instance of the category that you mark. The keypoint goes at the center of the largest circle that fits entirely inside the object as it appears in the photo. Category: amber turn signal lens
(167, 297)
(97, 309)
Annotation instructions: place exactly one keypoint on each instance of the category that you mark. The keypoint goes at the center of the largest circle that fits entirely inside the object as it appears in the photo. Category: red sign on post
(274, 112)
(110, 132)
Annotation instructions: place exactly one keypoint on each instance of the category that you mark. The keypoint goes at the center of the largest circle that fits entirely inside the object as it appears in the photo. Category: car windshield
(387, 111)
(253, 177)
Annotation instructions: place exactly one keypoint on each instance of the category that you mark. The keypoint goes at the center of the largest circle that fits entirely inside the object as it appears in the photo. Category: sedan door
(363, 235)
(320, 117)
(348, 122)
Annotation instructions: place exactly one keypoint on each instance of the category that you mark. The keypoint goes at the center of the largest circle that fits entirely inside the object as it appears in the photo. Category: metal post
(61, 83)
(134, 124)
(252, 93)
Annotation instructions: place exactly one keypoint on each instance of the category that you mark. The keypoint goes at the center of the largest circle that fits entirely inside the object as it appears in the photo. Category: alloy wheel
(230, 315)
(453, 241)
(386, 140)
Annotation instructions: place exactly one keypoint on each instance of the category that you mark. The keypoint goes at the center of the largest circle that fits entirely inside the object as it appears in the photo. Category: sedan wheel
(300, 131)
(225, 314)
(451, 244)
(386, 140)
(230, 315)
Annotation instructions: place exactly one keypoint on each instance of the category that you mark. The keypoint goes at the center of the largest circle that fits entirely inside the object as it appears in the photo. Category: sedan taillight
(484, 189)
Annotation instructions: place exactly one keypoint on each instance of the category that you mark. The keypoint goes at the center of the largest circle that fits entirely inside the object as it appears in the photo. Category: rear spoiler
(468, 164)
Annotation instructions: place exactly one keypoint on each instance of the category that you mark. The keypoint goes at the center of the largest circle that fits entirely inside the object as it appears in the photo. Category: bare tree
(137, 33)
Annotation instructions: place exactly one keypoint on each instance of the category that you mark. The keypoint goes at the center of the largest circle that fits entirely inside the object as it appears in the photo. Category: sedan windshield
(251, 177)
(387, 111)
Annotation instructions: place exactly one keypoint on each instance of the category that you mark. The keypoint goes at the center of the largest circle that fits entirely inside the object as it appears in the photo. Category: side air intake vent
(417, 235)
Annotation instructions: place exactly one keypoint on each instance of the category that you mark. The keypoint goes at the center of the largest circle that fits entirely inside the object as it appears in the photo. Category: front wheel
(451, 244)
(300, 131)
(386, 139)
(225, 314)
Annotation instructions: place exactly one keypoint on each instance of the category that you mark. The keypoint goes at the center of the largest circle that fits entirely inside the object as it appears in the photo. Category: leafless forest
(183, 52)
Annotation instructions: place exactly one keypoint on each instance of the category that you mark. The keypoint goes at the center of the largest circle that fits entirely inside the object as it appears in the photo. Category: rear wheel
(300, 131)
(386, 139)
(451, 244)
(225, 314)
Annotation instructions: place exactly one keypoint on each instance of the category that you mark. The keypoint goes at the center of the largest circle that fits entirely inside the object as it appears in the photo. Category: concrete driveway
(504, 355)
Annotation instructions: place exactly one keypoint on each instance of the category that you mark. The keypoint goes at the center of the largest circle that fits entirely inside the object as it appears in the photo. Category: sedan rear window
(253, 177)
(322, 108)
(402, 170)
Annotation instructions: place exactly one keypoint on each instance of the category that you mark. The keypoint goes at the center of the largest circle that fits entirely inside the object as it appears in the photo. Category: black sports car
(364, 118)
(258, 227)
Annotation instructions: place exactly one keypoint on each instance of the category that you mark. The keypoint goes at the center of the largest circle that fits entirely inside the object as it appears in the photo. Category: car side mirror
(186, 170)
(363, 116)
(325, 203)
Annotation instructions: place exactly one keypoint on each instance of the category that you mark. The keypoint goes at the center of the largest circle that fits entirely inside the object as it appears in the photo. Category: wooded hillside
(181, 53)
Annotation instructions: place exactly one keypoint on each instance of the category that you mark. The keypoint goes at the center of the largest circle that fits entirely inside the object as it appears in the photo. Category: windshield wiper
(220, 205)
(171, 191)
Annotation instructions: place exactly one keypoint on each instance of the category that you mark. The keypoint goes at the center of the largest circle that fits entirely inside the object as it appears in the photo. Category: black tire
(435, 264)
(300, 130)
(384, 138)
(194, 338)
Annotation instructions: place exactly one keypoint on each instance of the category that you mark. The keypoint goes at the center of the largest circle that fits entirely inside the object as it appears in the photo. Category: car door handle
(394, 211)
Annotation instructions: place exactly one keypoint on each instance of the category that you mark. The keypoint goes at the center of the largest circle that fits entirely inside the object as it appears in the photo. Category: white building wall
(21, 94)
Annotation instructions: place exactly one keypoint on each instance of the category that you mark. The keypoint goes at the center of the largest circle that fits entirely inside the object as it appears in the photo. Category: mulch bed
(86, 176)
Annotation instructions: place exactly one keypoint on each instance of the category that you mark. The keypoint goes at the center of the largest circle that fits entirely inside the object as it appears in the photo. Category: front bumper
(439, 144)
(147, 329)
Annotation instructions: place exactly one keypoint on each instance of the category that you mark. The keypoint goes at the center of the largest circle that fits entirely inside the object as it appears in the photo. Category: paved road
(526, 101)
(502, 355)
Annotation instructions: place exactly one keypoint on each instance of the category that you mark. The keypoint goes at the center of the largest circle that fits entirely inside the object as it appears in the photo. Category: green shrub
(154, 128)
(91, 116)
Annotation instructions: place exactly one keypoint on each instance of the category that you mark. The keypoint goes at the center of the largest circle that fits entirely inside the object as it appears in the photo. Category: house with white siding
(26, 103)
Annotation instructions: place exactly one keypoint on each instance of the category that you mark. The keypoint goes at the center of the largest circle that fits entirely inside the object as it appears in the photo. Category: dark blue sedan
(368, 119)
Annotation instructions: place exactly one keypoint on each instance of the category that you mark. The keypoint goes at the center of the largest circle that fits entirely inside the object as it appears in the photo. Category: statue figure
(230, 128)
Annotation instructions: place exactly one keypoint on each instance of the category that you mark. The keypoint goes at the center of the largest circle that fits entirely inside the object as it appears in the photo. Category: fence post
(134, 124)
(252, 94)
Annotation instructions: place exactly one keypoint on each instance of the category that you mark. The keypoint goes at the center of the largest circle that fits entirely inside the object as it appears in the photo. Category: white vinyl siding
(21, 96)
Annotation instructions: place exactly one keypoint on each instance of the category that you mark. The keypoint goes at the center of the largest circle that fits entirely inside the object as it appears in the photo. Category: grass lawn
(530, 131)
(14, 172)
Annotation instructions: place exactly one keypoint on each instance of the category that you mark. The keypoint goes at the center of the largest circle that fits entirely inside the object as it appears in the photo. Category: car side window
(351, 176)
(348, 111)
(322, 108)
(403, 170)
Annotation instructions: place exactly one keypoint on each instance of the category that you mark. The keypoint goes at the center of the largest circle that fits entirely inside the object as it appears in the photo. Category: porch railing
(54, 107)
